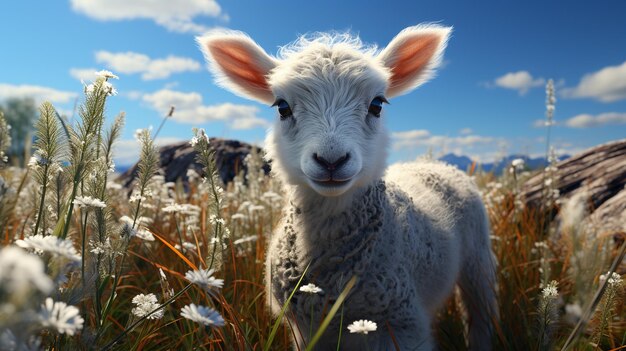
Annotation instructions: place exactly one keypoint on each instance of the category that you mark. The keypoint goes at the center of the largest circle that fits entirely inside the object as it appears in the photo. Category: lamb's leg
(478, 287)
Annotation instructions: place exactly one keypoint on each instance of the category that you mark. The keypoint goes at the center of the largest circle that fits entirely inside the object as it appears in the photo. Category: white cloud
(177, 16)
(411, 143)
(542, 123)
(37, 92)
(466, 131)
(411, 134)
(606, 85)
(522, 81)
(190, 109)
(84, 74)
(420, 137)
(587, 120)
(132, 94)
(133, 63)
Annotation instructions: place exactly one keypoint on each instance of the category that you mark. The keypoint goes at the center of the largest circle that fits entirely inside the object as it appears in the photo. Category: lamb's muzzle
(409, 236)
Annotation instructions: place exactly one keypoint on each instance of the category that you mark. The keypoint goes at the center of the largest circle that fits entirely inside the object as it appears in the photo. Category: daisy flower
(21, 271)
(63, 318)
(202, 315)
(204, 278)
(146, 304)
(362, 326)
(88, 201)
(51, 244)
(106, 74)
(311, 289)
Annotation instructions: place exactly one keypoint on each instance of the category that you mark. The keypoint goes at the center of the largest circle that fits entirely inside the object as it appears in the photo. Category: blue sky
(485, 101)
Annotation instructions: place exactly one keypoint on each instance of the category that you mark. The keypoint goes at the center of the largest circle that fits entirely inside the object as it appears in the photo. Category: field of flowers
(88, 264)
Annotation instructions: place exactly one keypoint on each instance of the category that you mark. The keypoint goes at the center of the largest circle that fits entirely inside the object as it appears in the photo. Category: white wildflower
(518, 164)
(573, 312)
(205, 279)
(33, 162)
(256, 208)
(144, 234)
(194, 141)
(215, 220)
(573, 212)
(109, 89)
(615, 279)
(186, 245)
(126, 220)
(114, 186)
(202, 315)
(311, 289)
(245, 239)
(146, 304)
(21, 271)
(550, 101)
(99, 248)
(51, 244)
(63, 318)
(88, 201)
(362, 326)
(136, 197)
(238, 216)
(550, 291)
(106, 74)
(173, 208)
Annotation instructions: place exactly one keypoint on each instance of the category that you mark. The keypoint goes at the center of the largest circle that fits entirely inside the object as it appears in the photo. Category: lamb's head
(329, 90)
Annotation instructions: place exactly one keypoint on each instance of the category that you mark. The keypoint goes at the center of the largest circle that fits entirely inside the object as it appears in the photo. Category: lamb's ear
(413, 55)
(238, 64)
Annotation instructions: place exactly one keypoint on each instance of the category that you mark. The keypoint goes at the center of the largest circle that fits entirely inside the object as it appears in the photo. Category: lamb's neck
(330, 218)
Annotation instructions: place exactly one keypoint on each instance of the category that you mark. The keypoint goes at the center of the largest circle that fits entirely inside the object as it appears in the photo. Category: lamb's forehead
(330, 58)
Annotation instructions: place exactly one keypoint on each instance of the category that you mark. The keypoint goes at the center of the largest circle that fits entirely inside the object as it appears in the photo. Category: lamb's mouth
(332, 182)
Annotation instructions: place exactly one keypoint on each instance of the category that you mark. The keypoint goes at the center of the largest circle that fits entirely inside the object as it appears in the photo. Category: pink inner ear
(412, 57)
(238, 63)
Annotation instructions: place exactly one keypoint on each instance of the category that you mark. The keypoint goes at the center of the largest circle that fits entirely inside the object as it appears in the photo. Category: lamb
(410, 236)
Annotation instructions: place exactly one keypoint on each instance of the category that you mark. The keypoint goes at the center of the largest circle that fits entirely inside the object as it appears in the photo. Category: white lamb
(409, 236)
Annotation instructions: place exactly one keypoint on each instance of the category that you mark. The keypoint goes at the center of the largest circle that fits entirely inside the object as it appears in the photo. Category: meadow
(87, 264)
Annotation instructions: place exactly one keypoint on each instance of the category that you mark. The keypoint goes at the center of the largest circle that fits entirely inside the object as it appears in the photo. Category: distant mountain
(463, 162)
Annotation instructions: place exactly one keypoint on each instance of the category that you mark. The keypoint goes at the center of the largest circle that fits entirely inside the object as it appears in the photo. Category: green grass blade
(331, 314)
(282, 312)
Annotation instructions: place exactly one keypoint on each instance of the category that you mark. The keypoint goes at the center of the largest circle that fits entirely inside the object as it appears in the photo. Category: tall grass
(158, 237)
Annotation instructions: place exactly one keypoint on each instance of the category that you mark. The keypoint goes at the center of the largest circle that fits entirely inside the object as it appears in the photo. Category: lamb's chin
(330, 188)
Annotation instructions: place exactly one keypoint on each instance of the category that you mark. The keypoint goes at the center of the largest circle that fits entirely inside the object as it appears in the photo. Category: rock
(176, 159)
(599, 171)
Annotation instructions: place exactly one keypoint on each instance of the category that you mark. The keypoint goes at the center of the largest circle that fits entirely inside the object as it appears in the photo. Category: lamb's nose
(331, 166)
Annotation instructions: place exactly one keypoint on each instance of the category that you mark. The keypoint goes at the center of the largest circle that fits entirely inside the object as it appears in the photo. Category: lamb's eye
(376, 106)
(283, 109)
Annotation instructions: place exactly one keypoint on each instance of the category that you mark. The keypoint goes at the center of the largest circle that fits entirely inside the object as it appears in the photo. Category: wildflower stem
(595, 301)
(84, 242)
(136, 323)
(340, 329)
(180, 236)
(331, 313)
(169, 114)
(43, 199)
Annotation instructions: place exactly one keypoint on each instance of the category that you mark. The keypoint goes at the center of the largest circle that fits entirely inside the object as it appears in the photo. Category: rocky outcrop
(599, 171)
(176, 159)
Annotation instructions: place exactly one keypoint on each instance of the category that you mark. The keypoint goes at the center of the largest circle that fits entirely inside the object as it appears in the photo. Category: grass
(206, 225)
